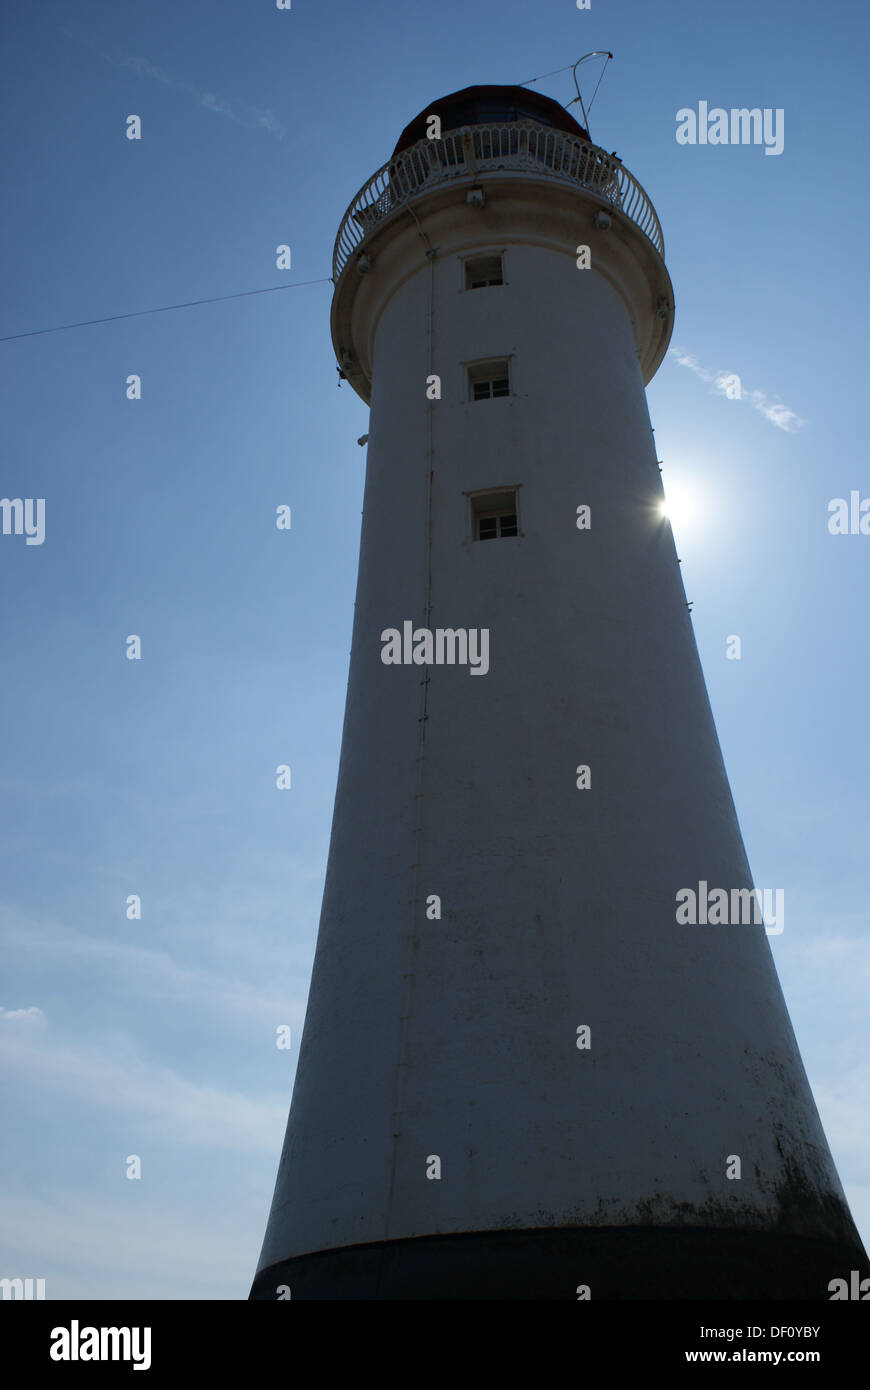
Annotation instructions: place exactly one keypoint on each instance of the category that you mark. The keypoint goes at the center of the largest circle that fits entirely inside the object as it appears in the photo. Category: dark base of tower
(613, 1262)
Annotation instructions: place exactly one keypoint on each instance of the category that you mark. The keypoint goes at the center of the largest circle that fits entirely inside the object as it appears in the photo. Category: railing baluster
(519, 145)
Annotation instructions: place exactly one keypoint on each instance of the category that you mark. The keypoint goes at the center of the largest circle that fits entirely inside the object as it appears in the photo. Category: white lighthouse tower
(521, 1074)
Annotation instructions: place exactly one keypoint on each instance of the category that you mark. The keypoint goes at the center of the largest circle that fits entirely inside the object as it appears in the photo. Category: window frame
(491, 371)
(478, 257)
(503, 502)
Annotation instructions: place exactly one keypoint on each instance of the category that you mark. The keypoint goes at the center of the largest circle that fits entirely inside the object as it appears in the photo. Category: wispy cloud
(98, 1245)
(29, 1015)
(175, 1109)
(146, 970)
(252, 117)
(728, 384)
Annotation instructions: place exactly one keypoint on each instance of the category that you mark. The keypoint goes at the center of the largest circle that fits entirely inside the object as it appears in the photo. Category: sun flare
(681, 507)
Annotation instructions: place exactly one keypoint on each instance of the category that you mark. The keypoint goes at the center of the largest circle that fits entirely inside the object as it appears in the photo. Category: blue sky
(157, 1037)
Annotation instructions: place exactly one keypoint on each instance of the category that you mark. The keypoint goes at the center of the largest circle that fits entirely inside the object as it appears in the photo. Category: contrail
(252, 117)
(729, 384)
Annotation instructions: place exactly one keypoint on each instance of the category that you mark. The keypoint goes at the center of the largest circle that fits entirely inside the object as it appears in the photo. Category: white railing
(462, 154)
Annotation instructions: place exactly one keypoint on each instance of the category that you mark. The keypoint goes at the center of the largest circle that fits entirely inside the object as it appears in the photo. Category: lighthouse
(528, 1070)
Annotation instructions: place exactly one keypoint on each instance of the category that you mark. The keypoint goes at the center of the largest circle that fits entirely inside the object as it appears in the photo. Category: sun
(681, 507)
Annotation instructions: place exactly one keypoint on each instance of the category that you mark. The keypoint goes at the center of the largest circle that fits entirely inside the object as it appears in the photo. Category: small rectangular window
(488, 380)
(494, 514)
(484, 271)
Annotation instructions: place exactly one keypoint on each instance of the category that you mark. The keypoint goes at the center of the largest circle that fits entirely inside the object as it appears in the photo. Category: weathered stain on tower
(520, 1073)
